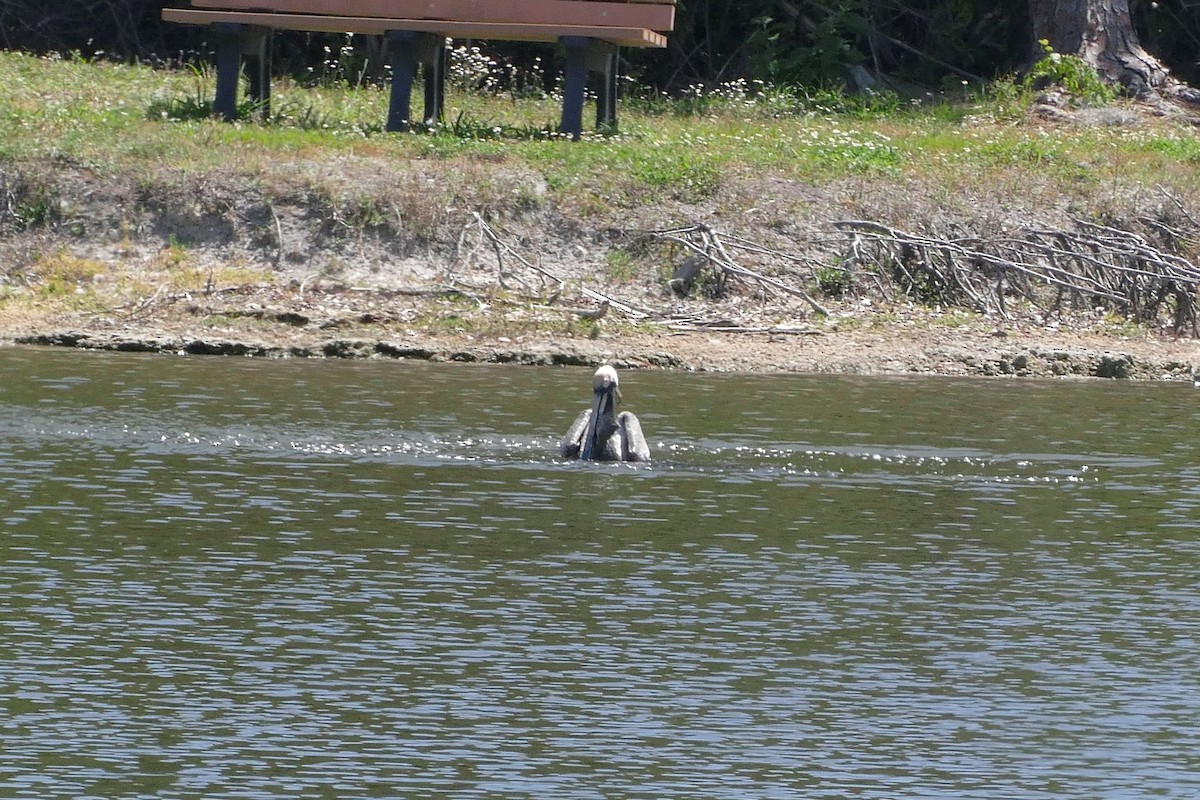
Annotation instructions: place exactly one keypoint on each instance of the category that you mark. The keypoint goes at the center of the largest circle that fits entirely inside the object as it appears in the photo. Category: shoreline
(959, 353)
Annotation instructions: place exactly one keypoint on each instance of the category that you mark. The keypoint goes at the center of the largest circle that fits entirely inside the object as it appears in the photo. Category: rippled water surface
(249, 579)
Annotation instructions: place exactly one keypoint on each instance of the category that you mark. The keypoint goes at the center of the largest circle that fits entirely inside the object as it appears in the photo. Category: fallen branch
(705, 242)
(502, 249)
(604, 299)
(773, 330)
(1092, 265)
(591, 313)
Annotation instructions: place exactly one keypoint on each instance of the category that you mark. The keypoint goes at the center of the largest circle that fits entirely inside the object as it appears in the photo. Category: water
(247, 579)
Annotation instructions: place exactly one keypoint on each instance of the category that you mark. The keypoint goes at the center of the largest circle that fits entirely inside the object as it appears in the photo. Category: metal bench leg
(574, 84)
(229, 68)
(234, 41)
(408, 49)
(436, 62)
(606, 98)
(258, 49)
(404, 67)
(586, 55)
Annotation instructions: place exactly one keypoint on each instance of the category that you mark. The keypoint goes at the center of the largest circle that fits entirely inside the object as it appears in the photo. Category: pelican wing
(572, 442)
(634, 447)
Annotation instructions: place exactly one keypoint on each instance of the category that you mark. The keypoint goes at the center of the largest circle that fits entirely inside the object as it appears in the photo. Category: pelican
(600, 433)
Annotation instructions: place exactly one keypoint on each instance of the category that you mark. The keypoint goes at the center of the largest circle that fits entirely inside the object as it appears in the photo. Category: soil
(366, 258)
(930, 351)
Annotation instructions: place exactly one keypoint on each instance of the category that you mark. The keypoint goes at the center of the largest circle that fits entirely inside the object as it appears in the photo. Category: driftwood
(717, 327)
(708, 245)
(1044, 270)
(1143, 274)
(161, 298)
(1088, 266)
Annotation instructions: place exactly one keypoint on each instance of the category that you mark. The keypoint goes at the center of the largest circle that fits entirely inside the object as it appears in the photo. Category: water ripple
(267, 581)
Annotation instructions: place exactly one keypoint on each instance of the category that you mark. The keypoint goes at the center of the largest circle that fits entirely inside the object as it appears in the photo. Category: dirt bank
(264, 264)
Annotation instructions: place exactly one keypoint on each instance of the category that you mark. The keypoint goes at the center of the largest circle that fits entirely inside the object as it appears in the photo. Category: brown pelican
(600, 433)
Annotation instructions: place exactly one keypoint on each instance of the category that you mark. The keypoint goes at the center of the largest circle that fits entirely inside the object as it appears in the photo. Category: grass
(109, 117)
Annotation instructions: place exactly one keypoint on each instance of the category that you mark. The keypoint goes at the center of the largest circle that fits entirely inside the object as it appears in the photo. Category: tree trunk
(1101, 33)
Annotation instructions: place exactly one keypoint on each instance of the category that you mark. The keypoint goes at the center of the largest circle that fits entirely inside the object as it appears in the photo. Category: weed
(957, 318)
(194, 106)
(1177, 148)
(306, 117)
(361, 211)
(1071, 74)
(63, 269)
(173, 258)
(834, 280)
(473, 70)
(1005, 98)
(1116, 324)
(465, 126)
(843, 151)
(26, 204)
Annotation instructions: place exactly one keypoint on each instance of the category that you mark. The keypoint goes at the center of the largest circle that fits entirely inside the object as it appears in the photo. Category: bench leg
(574, 84)
(404, 65)
(408, 49)
(606, 97)
(233, 42)
(258, 48)
(229, 68)
(436, 63)
(586, 55)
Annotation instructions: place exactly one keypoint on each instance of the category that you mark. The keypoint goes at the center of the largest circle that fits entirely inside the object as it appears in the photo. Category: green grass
(109, 117)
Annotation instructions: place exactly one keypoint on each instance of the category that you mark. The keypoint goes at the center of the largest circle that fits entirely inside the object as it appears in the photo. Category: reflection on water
(228, 578)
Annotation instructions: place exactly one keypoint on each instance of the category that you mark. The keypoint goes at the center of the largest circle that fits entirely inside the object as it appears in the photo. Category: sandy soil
(323, 324)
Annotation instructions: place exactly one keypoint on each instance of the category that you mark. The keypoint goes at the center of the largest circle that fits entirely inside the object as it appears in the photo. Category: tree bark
(1100, 32)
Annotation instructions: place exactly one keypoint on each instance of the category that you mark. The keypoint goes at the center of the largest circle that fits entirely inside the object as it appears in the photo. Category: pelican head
(600, 433)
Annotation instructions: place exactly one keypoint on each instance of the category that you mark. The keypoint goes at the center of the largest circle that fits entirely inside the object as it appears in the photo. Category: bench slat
(656, 16)
(626, 37)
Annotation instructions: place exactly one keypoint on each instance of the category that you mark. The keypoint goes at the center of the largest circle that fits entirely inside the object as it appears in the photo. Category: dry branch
(502, 250)
(707, 243)
(1090, 266)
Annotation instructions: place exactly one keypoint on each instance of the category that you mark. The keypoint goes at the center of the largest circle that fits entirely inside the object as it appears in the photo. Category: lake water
(249, 579)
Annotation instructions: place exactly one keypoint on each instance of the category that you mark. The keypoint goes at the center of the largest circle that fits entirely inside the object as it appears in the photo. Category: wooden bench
(417, 32)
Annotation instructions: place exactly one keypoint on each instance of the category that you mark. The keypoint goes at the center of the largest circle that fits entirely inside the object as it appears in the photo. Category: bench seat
(655, 15)
(417, 32)
(450, 29)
